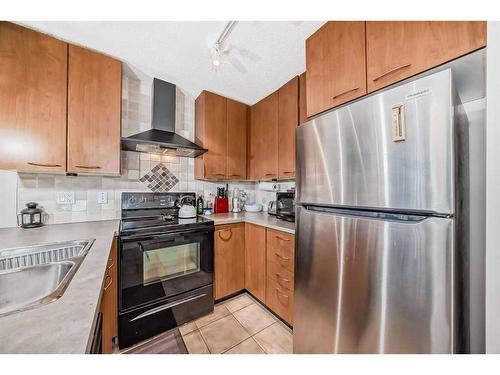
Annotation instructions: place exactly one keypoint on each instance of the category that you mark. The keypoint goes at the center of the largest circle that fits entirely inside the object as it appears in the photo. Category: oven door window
(171, 262)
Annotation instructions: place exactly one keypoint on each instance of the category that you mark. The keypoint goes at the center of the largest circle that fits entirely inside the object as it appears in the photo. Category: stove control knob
(132, 200)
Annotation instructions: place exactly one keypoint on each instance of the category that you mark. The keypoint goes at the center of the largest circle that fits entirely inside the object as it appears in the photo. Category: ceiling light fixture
(217, 49)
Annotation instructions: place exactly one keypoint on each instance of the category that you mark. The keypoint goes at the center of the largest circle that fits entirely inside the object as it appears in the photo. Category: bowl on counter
(254, 207)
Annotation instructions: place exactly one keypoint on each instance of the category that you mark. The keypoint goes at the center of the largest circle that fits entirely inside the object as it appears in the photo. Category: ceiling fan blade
(238, 65)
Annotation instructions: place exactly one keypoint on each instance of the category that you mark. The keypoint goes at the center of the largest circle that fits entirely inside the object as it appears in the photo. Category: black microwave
(285, 206)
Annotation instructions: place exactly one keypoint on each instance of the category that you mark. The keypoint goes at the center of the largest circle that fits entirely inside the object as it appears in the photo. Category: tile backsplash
(136, 168)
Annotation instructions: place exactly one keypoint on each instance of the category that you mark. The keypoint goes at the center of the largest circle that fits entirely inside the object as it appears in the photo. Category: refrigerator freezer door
(365, 285)
(392, 150)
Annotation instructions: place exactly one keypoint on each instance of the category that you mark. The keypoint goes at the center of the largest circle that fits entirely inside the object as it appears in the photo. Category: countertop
(65, 325)
(258, 218)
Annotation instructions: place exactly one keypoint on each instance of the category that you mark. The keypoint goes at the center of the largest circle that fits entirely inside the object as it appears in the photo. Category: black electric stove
(166, 265)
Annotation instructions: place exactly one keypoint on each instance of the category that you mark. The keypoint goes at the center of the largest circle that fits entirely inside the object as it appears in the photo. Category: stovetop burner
(157, 213)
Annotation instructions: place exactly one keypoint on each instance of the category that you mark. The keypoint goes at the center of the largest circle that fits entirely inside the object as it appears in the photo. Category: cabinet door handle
(280, 293)
(44, 165)
(110, 281)
(393, 70)
(227, 238)
(235, 175)
(112, 263)
(282, 239)
(288, 172)
(345, 92)
(88, 166)
(270, 174)
(282, 257)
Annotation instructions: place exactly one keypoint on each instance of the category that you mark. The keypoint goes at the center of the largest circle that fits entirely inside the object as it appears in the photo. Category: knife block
(221, 205)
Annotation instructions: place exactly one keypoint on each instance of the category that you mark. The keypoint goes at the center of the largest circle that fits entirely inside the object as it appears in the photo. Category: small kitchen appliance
(30, 217)
(166, 266)
(285, 206)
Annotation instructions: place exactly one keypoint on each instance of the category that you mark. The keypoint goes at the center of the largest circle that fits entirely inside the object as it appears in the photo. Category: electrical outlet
(102, 197)
(65, 197)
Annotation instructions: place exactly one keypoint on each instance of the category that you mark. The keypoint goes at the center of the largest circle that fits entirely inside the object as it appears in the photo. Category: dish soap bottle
(199, 205)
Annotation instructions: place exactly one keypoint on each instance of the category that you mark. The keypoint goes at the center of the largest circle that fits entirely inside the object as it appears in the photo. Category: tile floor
(237, 326)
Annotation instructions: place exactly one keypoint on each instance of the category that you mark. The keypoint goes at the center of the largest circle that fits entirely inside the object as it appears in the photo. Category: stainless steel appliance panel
(356, 156)
(371, 285)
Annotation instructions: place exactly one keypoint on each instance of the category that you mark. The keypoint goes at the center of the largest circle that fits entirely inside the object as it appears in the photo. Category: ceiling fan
(222, 52)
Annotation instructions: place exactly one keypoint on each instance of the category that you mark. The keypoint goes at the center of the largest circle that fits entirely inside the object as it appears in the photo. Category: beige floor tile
(195, 344)
(187, 328)
(254, 318)
(238, 303)
(275, 339)
(249, 346)
(220, 311)
(223, 334)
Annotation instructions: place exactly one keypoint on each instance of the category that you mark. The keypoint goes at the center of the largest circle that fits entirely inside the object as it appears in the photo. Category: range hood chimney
(161, 138)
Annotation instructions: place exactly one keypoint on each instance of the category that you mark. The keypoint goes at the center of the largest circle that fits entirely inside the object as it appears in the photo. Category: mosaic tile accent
(159, 179)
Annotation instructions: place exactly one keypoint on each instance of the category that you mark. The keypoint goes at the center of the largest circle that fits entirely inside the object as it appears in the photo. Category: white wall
(8, 198)
(493, 191)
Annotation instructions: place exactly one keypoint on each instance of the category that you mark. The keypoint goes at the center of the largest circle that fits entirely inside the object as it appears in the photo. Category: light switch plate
(102, 197)
(65, 197)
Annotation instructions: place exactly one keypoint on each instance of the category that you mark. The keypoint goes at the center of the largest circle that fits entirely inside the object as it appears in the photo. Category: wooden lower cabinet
(280, 273)
(255, 261)
(229, 259)
(109, 301)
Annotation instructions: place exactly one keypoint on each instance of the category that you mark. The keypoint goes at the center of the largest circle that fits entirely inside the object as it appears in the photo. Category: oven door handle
(165, 236)
(167, 306)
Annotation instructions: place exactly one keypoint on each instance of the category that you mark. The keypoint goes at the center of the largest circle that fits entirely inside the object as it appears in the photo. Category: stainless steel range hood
(161, 138)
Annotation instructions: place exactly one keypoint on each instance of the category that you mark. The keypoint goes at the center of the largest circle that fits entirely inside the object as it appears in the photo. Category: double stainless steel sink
(35, 275)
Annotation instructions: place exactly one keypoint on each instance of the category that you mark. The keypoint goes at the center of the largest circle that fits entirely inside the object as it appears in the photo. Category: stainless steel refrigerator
(383, 224)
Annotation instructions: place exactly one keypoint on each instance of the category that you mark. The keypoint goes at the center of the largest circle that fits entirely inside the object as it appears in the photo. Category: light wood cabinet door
(33, 87)
(288, 119)
(302, 99)
(335, 65)
(237, 119)
(399, 49)
(211, 133)
(255, 261)
(229, 259)
(263, 161)
(94, 112)
(109, 301)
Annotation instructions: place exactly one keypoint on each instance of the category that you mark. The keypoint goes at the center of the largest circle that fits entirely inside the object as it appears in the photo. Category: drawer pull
(235, 175)
(227, 238)
(110, 281)
(282, 239)
(345, 92)
(394, 70)
(281, 257)
(280, 293)
(44, 165)
(282, 278)
(88, 166)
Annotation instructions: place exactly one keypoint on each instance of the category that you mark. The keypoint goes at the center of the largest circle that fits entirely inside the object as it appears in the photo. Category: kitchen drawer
(280, 275)
(279, 300)
(281, 248)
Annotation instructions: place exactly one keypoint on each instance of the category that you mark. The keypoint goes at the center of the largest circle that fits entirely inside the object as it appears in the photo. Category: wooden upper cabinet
(302, 99)
(335, 65)
(94, 112)
(288, 119)
(221, 128)
(398, 50)
(263, 163)
(229, 259)
(237, 119)
(33, 84)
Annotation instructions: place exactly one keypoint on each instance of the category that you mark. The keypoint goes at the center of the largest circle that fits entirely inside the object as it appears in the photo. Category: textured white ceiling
(262, 56)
